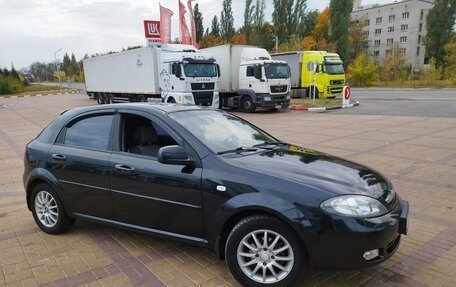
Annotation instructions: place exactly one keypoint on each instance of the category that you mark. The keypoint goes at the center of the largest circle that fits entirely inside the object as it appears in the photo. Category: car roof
(150, 107)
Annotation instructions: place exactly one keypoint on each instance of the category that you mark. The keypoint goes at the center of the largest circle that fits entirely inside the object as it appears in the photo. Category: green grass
(308, 103)
(39, 88)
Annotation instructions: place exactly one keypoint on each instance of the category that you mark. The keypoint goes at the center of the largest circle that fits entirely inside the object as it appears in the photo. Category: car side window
(250, 71)
(143, 136)
(92, 132)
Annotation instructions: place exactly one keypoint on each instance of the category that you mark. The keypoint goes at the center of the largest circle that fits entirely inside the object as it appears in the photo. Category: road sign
(346, 95)
(152, 31)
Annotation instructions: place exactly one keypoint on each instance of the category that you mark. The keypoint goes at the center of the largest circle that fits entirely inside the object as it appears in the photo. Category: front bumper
(272, 101)
(337, 242)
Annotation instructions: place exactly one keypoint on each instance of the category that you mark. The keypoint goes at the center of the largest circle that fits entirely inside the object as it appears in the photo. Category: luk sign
(152, 31)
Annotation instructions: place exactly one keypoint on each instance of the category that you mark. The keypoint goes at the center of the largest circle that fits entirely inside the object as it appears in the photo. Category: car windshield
(276, 71)
(200, 70)
(220, 131)
(333, 69)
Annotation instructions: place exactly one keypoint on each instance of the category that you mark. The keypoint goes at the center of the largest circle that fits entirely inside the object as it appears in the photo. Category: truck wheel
(247, 105)
(99, 99)
(261, 250)
(171, 100)
(141, 99)
(110, 99)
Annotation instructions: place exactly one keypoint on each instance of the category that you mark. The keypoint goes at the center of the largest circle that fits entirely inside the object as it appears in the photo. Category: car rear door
(148, 194)
(80, 161)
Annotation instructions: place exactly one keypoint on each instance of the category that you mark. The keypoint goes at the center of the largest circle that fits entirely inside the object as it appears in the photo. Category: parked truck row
(228, 76)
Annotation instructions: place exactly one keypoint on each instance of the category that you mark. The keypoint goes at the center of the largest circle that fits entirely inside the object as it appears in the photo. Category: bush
(363, 71)
(9, 85)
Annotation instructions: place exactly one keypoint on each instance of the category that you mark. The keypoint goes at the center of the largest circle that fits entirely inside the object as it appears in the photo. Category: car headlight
(354, 206)
(268, 99)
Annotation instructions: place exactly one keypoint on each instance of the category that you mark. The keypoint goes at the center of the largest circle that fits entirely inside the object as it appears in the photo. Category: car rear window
(90, 132)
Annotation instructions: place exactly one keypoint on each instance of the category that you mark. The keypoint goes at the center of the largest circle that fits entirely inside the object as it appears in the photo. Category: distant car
(206, 176)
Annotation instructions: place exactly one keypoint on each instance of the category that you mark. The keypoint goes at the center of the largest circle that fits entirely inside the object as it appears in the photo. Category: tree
(308, 24)
(258, 16)
(211, 40)
(14, 73)
(363, 71)
(215, 27)
(440, 22)
(198, 16)
(248, 19)
(339, 11)
(307, 44)
(240, 39)
(357, 39)
(287, 17)
(449, 60)
(226, 21)
(394, 65)
(66, 62)
(322, 30)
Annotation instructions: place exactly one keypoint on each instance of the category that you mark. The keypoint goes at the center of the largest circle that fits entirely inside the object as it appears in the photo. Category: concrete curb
(40, 95)
(322, 109)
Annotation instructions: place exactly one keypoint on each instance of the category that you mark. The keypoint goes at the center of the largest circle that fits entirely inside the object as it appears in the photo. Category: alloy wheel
(46, 208)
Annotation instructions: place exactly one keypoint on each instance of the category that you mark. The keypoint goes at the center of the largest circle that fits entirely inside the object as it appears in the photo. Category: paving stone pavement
(417, 153)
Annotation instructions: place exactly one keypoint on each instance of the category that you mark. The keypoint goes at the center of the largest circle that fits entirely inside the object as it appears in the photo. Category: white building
(401, 22)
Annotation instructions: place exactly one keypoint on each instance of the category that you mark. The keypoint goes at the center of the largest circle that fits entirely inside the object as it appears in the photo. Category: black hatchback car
(205, 176)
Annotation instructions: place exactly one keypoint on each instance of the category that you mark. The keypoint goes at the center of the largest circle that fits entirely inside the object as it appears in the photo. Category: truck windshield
(200, 70)
(334, 68)
(277, 71)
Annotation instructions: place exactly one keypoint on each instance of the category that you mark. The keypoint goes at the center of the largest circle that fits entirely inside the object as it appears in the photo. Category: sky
(32, 30)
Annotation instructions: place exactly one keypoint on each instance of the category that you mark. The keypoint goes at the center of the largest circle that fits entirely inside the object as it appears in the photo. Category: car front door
(80, 161)
(148, 194)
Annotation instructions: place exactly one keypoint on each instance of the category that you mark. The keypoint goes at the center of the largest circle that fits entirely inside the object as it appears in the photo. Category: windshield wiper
(239, 149)
(269, 143)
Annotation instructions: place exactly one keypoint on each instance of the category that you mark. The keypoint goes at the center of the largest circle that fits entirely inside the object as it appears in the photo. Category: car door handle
(124, 168)
(57, 156)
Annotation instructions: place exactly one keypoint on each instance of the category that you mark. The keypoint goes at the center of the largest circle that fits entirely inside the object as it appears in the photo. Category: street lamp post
(57, 67)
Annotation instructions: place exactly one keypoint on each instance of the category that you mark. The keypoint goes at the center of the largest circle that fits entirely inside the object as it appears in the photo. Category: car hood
(316, 170)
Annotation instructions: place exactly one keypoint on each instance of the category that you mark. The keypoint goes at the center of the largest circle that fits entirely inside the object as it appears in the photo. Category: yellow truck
(328, 78)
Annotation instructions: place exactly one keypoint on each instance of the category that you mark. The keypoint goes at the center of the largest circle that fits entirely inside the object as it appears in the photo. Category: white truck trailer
(175, 73)
(250, 79)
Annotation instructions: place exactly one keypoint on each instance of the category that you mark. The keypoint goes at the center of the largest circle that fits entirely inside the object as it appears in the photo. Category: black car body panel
(199, 202)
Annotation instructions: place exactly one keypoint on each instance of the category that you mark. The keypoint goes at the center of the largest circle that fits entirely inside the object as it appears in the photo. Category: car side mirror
(218, 70)
(173, 154)
(177, 70)
(257, 73)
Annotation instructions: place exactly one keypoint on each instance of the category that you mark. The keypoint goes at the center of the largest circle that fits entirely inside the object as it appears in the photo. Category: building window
(421, 27)
(426, 60)
(391, 18)
(419, 39)
(389, 41)
(402, 51)
(405, 15)
(378, 20)
(391, 29)
(403, 39)
(378, 31)
(367, 22)
(418, 50)
(366, 32)
(404, 27)
(377, 43)
(376, 53)
(388, 52)
(421, 15)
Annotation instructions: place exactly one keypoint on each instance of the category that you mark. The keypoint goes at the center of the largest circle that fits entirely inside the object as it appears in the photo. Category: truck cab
(329, 75)
(188, 76)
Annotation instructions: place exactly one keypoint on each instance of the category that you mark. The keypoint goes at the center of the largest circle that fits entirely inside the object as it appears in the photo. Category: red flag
(185, 34)
(165, 26)
(192, 23)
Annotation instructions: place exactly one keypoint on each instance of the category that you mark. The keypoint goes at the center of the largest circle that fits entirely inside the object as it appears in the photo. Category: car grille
(203, 98)
(336, 82)
(202, 86)
(336, 90)
(279, 89)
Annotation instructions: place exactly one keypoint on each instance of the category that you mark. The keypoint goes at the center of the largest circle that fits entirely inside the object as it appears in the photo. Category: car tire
(247, 105)
(258, 265)
(142, 99)
(48, 210)
(110, 99)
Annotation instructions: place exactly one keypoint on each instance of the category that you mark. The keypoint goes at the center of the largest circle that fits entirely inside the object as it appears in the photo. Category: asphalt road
(404, 102)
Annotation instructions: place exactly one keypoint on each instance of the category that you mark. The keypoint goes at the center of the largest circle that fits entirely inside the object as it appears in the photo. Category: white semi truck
(250, 79)
(175, 73)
